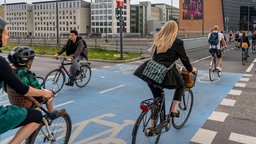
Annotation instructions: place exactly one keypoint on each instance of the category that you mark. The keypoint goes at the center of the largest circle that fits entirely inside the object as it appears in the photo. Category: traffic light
(117, 13)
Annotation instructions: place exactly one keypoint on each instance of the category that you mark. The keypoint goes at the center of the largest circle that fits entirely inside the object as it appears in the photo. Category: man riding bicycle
(76, 50)
(215, 38)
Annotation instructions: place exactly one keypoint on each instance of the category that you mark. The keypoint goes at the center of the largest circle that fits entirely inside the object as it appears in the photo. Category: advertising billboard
(192, 9)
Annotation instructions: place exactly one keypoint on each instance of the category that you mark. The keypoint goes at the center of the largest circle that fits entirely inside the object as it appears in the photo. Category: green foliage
(98, 53)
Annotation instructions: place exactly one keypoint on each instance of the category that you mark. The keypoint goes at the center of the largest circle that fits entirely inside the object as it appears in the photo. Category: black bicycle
(154, 113)
(56, 78)
(51, 131)
(213, 67)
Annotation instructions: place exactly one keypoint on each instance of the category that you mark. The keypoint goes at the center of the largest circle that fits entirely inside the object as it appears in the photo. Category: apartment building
(167, 12)
(134, 22)
(103, 17)
(19, 19)
(72, 14)
(151, 17)
(39, 19)
(2, 11)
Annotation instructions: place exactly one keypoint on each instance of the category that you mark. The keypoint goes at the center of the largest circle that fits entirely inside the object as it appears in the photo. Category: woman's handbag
(156, 71)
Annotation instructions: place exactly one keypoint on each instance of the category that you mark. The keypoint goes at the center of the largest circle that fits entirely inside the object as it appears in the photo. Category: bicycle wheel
(243, 58)
(59, 128)
(140, 130)
(54, 80)
(211, 71)
(84, 76)
(185, 108)
(40, 80)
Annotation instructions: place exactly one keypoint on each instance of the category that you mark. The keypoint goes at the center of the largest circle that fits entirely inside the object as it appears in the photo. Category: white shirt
(220, 37)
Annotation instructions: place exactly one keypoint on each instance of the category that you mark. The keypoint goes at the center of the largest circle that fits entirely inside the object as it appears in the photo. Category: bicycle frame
(213, 61)
(62, 66)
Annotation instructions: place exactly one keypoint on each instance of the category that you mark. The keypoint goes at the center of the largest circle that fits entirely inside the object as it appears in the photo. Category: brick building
(192, 20)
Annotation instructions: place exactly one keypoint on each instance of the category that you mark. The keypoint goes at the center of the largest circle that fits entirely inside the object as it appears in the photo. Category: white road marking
(247, 75)
(242, 138)
(240, 85)
(218, 116)
(235, 92)
(250, 67)
(228, 102)
(111, 89)
(204, 136)
(3, 95)
(59, 105)
(2, 102)
(244, 79)
(106, 66)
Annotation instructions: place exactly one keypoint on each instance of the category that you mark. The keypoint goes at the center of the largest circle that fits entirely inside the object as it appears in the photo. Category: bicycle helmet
(2, 25)
(20, 55)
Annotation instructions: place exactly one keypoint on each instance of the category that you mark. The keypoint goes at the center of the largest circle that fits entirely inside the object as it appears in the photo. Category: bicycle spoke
(84, 76)
(60, 129)
(185, 108)
(54, 80)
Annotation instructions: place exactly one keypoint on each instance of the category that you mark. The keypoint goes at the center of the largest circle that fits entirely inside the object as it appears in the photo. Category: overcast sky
(175, 2)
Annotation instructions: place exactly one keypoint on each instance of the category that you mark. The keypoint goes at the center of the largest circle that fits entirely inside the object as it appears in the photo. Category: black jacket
(245, 39)
(173, 79)
(77, 48)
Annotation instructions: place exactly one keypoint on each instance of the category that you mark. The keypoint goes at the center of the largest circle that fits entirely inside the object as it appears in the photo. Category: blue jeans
(75, 66)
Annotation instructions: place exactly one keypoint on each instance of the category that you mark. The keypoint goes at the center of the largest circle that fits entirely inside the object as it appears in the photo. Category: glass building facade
(239, 15)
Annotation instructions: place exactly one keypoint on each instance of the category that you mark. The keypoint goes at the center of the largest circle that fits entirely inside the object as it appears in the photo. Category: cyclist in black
(167, 49)
(12, 116)
(76, 49)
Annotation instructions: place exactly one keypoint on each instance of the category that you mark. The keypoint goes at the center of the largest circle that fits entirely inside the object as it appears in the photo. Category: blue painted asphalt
(107, 107)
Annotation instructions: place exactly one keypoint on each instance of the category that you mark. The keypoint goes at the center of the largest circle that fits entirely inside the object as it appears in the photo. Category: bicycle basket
(17, 99)
(189, 78)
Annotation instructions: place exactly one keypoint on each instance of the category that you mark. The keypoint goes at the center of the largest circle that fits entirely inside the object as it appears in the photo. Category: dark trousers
(157, 91)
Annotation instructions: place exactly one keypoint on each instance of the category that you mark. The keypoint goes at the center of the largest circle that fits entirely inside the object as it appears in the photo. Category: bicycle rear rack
(149, 103)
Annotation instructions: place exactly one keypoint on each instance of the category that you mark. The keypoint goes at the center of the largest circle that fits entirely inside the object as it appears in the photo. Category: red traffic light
(120, 3)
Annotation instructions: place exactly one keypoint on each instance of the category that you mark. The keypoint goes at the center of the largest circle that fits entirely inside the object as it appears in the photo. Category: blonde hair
(216, 27)
(165, 38)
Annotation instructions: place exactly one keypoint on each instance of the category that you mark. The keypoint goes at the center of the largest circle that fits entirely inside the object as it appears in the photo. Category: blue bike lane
(106, 109)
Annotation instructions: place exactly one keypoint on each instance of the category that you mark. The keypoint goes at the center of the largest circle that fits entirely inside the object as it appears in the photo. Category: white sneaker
(218, 68)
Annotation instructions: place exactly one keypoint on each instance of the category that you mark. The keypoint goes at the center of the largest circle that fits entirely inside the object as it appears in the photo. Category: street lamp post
(248, 22)
(5, 10)
(106, 6)
(57, 22)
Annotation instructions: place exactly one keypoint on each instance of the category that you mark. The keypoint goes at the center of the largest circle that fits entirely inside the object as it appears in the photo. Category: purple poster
(192, 9)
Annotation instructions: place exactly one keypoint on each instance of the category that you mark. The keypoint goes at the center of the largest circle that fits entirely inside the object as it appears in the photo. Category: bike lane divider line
(3, 95)
(242, 85)
(250, 67)
(244, 79)
(235, 92)
(119, 86)
(242, 138)
(68, 102)
(228, 102)
(2, 102)
(218, 116)
(204, 136)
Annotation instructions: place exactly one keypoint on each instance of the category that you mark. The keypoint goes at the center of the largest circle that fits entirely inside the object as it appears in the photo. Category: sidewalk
(234, 121)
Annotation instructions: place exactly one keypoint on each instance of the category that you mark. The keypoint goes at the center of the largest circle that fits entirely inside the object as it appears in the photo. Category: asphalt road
(106, 109)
